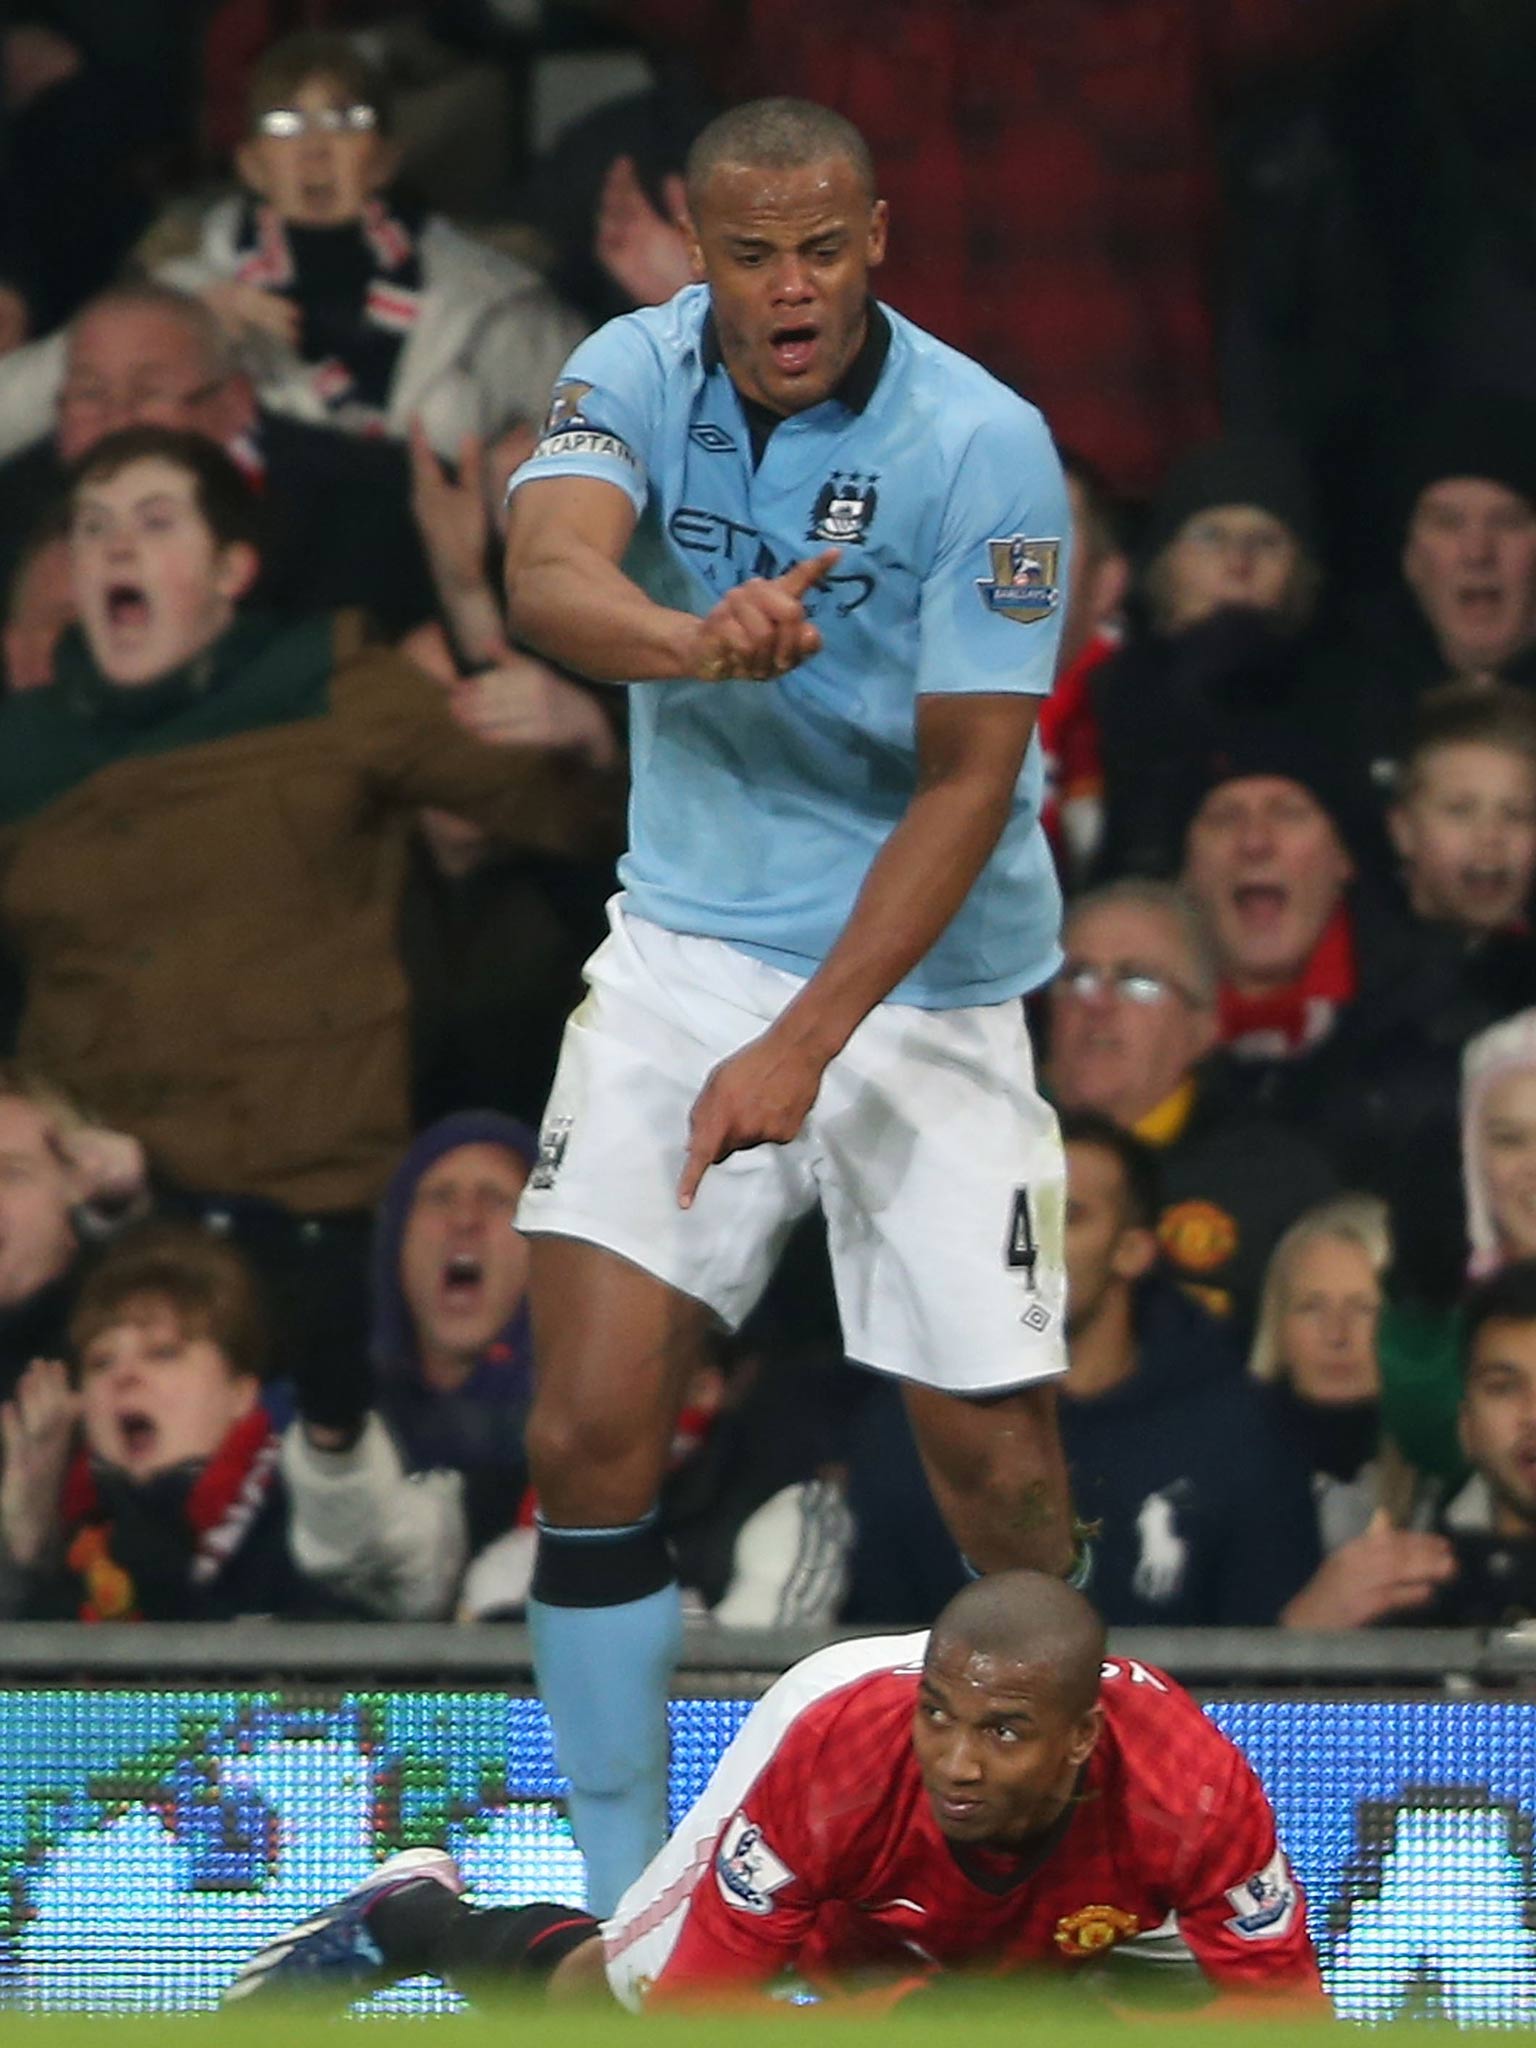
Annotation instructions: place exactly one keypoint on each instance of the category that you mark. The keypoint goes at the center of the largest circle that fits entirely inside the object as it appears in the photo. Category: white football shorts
(937, 1164)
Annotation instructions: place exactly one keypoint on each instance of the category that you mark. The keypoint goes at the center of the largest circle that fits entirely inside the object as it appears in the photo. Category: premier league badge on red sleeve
(746, 1869)
(1265, 1906)
(1025, 582)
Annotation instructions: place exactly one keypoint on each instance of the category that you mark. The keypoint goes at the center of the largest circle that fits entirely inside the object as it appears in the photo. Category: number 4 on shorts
(1021, 1251)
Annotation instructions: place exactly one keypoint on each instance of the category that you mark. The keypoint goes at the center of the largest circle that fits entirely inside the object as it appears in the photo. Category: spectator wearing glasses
(1132, 1024)
(350, 307)
(336, 509)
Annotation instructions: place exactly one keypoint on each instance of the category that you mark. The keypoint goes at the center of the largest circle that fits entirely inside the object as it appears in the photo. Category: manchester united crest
(1092, 1929)
(1025, 582)
(1198, 1236)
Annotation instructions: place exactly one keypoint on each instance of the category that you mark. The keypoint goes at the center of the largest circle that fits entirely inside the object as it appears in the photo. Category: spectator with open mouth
(411, 1462)
(1334, 1014)
(153, 1491)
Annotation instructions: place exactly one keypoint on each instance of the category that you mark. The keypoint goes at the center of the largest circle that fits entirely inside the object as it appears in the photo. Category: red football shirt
(814, 1848)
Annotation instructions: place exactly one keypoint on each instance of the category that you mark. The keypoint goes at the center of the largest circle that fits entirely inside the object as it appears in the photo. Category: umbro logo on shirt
(708, 436)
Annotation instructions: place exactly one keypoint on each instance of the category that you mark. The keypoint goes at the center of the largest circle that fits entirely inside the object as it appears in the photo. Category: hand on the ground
(524, 703)
(243, 309)
(644, 252)
(37, 1427)
(759, 629)
(1379, 1572)
(759, 1096)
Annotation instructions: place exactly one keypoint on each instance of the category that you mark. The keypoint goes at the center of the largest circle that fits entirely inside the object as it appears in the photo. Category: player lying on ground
(991, 1797)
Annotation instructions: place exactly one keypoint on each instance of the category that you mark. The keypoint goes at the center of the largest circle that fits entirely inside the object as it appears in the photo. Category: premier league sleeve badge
(1025, 582)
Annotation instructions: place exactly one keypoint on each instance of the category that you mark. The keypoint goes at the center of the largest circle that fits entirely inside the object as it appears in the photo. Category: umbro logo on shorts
(1036, 1317)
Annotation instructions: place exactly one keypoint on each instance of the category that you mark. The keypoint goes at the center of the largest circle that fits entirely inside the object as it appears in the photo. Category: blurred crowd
(300, 857)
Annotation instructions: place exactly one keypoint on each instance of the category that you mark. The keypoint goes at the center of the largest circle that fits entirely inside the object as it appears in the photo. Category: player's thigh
(944, 1184)
(660, 1013)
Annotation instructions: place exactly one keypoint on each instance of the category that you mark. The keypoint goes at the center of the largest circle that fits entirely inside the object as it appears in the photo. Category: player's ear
(879, 221)
(1085, 1733)
(695, 247)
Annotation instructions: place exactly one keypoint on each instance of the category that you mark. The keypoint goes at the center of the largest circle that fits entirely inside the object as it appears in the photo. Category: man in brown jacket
(202, 828)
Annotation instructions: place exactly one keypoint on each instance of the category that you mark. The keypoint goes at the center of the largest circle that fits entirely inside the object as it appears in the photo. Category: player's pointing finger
(800, 577)
(703, 1146)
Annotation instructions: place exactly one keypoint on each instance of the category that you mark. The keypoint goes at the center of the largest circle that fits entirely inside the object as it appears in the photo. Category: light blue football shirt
(757, 808)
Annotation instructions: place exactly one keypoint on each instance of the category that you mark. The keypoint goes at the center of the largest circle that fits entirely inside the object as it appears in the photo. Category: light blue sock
(605, 1674)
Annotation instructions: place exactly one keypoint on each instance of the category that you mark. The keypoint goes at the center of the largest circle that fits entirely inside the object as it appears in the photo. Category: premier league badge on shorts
(553, 1139)
(844, 507)
(1024, 585)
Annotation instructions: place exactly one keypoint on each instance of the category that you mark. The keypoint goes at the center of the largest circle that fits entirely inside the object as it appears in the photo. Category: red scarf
(1290, 1020)
(225, 1499)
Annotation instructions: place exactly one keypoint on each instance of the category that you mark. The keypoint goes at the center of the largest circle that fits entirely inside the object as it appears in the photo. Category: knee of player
(592, 1448)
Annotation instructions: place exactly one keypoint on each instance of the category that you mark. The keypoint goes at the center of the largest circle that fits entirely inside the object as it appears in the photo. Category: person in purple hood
(411, 1461)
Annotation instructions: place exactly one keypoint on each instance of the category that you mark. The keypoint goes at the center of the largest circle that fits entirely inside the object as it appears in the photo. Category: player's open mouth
(793, 349)
(318, 195)
(956, 1811)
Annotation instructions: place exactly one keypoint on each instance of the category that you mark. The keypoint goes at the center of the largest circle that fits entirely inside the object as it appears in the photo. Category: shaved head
(1030, 1619)
(778, 135)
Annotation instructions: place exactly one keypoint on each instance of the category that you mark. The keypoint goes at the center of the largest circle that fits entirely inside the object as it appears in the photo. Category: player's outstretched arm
(568, 597)
(969, 749)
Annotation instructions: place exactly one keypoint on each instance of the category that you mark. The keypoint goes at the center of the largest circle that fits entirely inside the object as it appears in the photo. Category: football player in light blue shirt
(828, 552)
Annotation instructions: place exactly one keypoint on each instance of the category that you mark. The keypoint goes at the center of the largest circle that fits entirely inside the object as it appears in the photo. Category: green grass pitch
(1012, 2023)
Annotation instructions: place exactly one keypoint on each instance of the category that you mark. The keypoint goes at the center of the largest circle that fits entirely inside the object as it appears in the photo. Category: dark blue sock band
(601, 1567)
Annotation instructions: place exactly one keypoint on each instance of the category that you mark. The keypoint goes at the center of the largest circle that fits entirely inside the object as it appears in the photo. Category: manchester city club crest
(845, 506)
(1024, 585)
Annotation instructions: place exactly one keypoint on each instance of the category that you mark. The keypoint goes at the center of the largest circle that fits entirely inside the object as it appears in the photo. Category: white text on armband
(571, 440)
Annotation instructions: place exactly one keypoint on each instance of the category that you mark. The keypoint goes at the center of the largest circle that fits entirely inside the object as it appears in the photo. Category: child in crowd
(1463, 819)
(153, 1493)
(352, 308)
